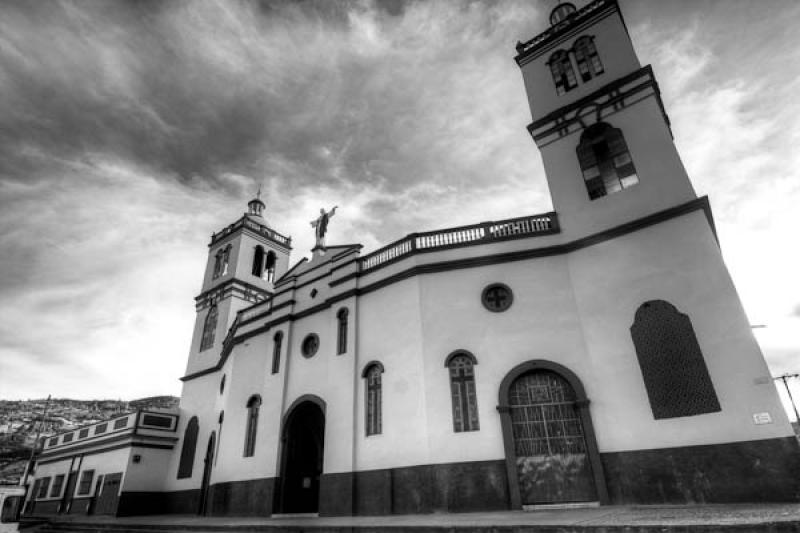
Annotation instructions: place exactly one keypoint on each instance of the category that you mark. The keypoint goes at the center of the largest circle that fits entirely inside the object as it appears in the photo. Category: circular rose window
(497, 297)
(310, 345)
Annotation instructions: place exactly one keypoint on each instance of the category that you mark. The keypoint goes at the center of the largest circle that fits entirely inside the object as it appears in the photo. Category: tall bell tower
(599, 122)
(244, 261)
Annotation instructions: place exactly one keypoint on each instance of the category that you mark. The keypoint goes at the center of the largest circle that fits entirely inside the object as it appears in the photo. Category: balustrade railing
(464, 235)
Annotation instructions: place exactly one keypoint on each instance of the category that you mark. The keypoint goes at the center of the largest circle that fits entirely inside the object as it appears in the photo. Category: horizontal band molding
(472, 262)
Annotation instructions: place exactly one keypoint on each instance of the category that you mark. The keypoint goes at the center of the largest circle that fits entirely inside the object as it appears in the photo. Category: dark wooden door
(208, 462)
(69, 491)
(552, 461)
(109, 495)
(303, 449)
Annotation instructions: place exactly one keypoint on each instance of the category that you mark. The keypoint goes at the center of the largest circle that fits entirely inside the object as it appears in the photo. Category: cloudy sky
(129, 131)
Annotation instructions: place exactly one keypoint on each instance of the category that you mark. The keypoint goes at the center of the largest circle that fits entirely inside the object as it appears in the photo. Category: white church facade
(597, 354)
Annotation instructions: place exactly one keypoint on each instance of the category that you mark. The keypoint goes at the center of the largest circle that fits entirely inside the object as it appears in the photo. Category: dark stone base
(453, 487)
(242, 498)
(80, 506)
(46, 507)
(144, 503)
(739, 472)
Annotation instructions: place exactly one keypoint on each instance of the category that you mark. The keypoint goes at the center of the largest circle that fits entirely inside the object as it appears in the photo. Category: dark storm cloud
(194, 89)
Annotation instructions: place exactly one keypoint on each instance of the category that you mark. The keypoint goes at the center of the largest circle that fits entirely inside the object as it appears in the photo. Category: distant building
(596, 355)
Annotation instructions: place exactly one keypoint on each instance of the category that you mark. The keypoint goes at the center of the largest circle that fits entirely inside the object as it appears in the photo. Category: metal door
(552, 461)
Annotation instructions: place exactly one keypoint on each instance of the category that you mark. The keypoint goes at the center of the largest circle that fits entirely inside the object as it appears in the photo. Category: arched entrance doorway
(208, 462)
(551, 452)
(303, 444)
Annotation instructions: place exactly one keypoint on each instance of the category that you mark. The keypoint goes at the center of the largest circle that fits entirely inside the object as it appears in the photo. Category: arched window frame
(605, 161)
(209, 328)
(341, 338)
(461, 369)
(271, 259)
(188, 449)
(277, 343)
(562, 71)
(253, 405)
(217, 264)
(373, 385)
(587, 58)
(226, 258)
(258, 261)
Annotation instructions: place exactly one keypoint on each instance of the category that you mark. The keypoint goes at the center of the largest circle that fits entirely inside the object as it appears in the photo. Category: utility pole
(36, 441)
(783, 378)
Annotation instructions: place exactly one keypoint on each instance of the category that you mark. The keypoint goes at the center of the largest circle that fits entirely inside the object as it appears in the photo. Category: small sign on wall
(762, 418)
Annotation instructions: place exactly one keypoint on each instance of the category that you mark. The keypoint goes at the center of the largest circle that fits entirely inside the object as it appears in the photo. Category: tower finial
(256, 206)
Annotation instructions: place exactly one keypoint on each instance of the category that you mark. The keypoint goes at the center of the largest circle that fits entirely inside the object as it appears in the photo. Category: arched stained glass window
(341, 339)
(277, 341)
(187, 451)
(673, 368)
(258, 261)
(253, 405)
(209, 329)
(462, 391)
(562, 71)
(588, 60)
(605, 161)
(372, 374)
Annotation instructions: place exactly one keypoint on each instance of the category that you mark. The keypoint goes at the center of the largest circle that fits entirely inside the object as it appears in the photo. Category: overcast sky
(130, 131)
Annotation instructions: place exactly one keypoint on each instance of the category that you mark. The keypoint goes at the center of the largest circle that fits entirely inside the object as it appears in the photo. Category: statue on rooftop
(320, 225)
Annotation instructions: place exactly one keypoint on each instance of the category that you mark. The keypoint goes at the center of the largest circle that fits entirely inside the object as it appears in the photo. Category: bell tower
(245, 259)
(599, 122)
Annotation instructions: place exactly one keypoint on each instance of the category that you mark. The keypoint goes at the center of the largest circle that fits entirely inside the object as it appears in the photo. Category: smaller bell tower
(599, 122)
(245, 259)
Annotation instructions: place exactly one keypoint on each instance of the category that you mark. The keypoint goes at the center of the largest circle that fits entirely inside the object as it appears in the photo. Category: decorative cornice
(470, 262)
(609, 99)
(246, 291)
(527, 50)
(245, 223)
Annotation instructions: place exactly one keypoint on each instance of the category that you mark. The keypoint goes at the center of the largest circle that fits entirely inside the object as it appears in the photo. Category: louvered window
(588, 60)
(605, 162)
(562, 71)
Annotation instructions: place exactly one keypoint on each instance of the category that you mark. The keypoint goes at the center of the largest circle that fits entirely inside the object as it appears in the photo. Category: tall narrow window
(217, 264)
(253, 404)
(209, 329)
(269, 266)
(605, 162)
(85, 484)
(372, 375)
(341, 340)
(226, 257)
(43, 488)
(562, 71)
(277, 341)
(187, 451)
(462, 391)
(58, 482)
(258, 261)
(589, 64)
(673, 368)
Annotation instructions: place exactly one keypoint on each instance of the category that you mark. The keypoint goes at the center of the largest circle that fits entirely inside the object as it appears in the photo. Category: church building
(594, 355)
